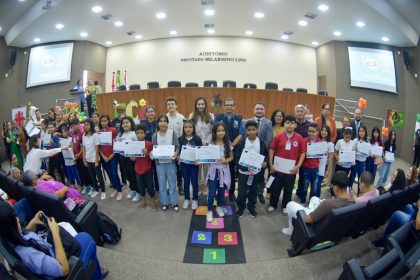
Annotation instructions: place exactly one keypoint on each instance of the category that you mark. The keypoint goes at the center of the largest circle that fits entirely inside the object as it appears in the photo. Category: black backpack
(110, 233)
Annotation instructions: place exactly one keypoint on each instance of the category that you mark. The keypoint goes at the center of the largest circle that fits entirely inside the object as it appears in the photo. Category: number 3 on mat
(228, 238)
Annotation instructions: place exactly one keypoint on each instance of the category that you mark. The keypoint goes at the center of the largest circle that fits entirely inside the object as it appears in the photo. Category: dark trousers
(82, 106)
(83, 173)
(89, 105)
(246, 192)
(416, 160)
(95, 174)
(282, 181)
(371, 166)
(122, 170)
(357, 169)
(301, 181)
(340, 168)
(128, 167)
(111, 168)
(232, 177)
(155, 176)
(178, 176)
(310, 176)
(190, 175)
(145, 181)
(55, 164)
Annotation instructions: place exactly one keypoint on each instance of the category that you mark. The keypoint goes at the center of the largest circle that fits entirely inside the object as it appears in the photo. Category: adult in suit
(356, 123)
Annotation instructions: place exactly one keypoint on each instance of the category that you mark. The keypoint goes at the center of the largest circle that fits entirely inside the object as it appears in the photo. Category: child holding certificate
(325, 163)
(344, 145)
(55, 161)
(248, 178)
(389, 152)
(70, 165)
(219, 173)
(166, 168)
(189, 170)
(108, 159)
(372, 162)
(361, 157)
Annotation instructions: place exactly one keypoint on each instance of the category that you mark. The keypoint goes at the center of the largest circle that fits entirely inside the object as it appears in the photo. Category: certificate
(364, 148)
(347, 157)
(118, 147)
(283, 165)
(316, 150)
(65, 142)
(31, 129)
(187, 155)
(377, 151)
(68, 157)
(134, 148)
(46, 139)
(389, 157)
(251, 160)
(163, 151)
(208, 154)
(105, 138)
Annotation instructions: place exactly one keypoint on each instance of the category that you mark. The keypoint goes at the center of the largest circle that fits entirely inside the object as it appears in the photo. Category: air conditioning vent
(207, 2)
(310, 15)
(208, 25)
(130, 33)
(288, 33)
(106, 17)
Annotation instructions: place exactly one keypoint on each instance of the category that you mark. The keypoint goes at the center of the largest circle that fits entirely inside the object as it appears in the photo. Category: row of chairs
(349, 221)
(211, 83)
(401, 253)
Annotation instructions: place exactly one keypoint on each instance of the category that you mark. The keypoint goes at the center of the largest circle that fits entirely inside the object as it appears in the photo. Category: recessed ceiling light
(160, 15)
(259, 15)
(21, 0)
(302, 22)
(360, 23)
(59, 26)
(97, 9)
(108, 43)
(323, 7)
(118, 23)
(173, 32)
(315, 43)
(249, 32)
(138, 36)
(385, 39)
(0, 28)
(36, 40)
(210, 31)
(83, 34)
(209, 12)
(285, 37)
(337, 33)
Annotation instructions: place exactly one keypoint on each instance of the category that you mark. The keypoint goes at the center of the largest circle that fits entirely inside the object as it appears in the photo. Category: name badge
(288, 146)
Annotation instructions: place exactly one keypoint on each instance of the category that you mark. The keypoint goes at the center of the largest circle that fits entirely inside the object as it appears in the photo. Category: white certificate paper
(187, 154)
(31, 129)
(105, 138)
(316, 150)
(364, 148)
(377, 151)
(389, 157)
(208, 154)
(134, 148)
(46, 139)
(68, 157)
(65, 142)
(118, 147)
(347, 157)
(251, 160)
(163, 151)
(284, 165)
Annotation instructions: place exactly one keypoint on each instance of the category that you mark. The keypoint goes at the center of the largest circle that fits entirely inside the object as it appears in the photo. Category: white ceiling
(22, 21)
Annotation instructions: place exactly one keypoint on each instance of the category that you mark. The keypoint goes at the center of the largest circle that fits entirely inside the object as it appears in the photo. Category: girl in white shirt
(360, 165)
(90, 142)
(345, 144)
(325, 163)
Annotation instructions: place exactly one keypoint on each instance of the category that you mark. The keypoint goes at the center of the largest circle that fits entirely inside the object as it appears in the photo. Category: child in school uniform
(360, 165)
(373, 162)
(325, 163)
(70, 165)
(248, 179)
(54, 162)
(345, 144)
(188, 169)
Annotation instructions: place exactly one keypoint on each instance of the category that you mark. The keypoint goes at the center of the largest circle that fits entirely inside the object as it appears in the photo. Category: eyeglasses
(229, 105)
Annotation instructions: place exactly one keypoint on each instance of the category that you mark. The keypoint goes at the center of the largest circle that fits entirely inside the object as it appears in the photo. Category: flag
(395, 118)
(125, 77)
(118, 79)
(113, 82)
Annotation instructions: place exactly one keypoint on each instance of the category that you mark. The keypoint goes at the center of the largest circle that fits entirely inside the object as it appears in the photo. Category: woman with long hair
(327, 119)
(11, 139)
(277, 121)
(389, 150)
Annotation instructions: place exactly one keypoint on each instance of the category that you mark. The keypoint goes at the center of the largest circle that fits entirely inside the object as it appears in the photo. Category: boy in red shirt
(287, 149)
(144, 171)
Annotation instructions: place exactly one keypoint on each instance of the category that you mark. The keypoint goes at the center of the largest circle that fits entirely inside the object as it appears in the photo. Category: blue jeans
(72, 174)
(111, 168)
(89, 253)
(356, 169)
(215, 191)
(23, 211)
(167, 176)
(190, 175)
(383, 173)
(371, 166)
(310, 176)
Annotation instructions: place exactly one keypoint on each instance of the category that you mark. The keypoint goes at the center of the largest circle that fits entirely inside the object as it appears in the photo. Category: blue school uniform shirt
(233, 124)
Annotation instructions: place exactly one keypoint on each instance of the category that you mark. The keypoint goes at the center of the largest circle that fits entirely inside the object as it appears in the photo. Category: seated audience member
(397, 220)
(397, 182)
(411, 175)
(41, 258)
(15, 171)
(318, 209)
(367, 188)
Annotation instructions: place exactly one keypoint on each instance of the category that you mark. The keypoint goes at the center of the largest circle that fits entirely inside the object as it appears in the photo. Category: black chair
(302, 90)
(333, 228)
(75, 265)
(414, 191)
(135, 86)
(395, 204)
(174, 84)
(323, 93)
(153, 85)
(287, 89)
(229, 83)
(191, 84)
(248, 85)
(210, 83)
(8, 184)
(271, 86)
(122, 88)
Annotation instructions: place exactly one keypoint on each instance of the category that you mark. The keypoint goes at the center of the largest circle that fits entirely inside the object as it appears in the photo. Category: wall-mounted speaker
(13, 58)
(406, 58)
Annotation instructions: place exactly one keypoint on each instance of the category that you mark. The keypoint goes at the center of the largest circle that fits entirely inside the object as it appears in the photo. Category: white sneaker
(136, 197)
(194, 204)
(287, 231)
(95, 194)
(130, 194)
(84, 190)
(284, 211)
(270, 209)
(220, 212)
(103, 195)
(186, 204)
(209, 216)
(113, 194)
(91, 191)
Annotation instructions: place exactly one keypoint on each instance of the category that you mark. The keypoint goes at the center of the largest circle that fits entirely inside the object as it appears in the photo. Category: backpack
(110, 233)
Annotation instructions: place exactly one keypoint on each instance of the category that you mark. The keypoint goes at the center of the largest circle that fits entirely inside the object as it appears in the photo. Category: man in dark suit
(356, 123)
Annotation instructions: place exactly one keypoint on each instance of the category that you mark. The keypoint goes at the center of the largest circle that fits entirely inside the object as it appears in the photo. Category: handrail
(340, 101)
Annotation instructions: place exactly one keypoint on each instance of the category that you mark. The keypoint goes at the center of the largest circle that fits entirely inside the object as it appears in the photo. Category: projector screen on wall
(372, 68)
(49, 64)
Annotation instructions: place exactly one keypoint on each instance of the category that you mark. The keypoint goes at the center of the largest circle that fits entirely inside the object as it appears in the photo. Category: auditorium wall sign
(220, 56)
